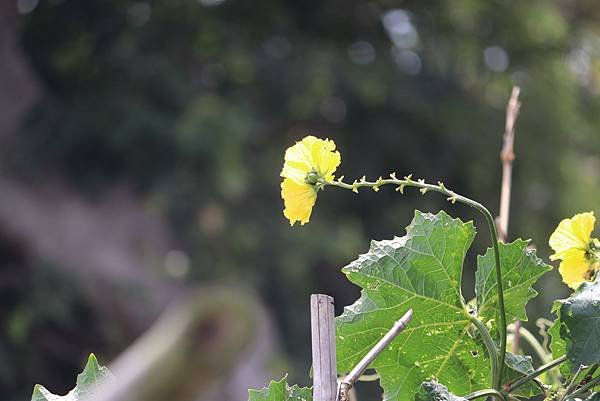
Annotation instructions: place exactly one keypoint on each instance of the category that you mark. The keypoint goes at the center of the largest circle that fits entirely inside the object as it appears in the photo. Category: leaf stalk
(490, 345)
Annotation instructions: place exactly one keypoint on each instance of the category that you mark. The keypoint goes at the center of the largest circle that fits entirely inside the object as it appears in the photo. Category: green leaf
(280, 391)
(521, 268)
(517, 367)
(579, 328)
(434, 391)
(422, 271)
(87, 384)
(519, 363)
(558, 346)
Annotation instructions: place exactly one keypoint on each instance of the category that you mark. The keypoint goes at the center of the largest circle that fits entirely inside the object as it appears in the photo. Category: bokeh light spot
(177, 263)
(361, 52)
(26, 6)
(496, 58)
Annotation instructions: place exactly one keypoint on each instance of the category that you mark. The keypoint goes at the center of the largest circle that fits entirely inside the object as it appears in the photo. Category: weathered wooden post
(322, 324)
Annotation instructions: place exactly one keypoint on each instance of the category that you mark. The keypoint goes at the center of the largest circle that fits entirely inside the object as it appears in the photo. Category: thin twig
(507, 156)
(588, 376)
(592, 383)
(351, 393)
(572, 383)
(364, 363)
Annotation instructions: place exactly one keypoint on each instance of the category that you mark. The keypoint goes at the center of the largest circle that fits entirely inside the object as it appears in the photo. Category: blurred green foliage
(193, 103)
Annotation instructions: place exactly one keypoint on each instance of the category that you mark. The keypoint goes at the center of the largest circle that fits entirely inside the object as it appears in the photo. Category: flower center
(312, 177)
(593, 255)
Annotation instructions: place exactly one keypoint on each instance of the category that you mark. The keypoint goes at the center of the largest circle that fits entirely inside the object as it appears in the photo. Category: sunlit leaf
(87, 384)
(558, 346)
(422, 271)
(280, 391)
(521, 268)
(434, 391)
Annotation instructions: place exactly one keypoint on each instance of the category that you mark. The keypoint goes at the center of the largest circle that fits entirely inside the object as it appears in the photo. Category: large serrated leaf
(280, 391)
(87, 383)
(422, 271)
(579, 325)
(521, 268)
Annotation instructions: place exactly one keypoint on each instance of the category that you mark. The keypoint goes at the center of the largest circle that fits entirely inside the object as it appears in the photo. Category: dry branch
(507, 157)
(364, 363)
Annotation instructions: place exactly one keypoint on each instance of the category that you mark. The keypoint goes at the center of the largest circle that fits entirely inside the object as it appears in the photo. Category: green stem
(502, 327)
(452, 197)
(593, 383)
(489, 344)
(485, 393)
(536, 373)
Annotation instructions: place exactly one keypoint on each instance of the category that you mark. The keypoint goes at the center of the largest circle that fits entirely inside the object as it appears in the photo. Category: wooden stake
(323, 348)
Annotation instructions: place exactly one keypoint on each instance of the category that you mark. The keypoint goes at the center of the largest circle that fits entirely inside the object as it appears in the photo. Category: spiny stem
(485, 393)
(536, 373)
(451, 197)
(502, 327)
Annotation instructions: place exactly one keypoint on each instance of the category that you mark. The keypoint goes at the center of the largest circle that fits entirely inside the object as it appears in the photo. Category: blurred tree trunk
(19, 87)
(114, 250)
(211, 345)
(102, 245)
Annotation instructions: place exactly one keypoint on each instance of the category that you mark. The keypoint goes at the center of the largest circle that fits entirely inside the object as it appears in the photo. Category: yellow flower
(307, 166)
(299, 200)
(573, 233)
(572, 243)
(574, 269)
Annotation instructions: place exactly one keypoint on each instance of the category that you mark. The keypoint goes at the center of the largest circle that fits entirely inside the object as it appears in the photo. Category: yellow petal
(298, 199)
(574, 268)
(573, 233)
(310, 154)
